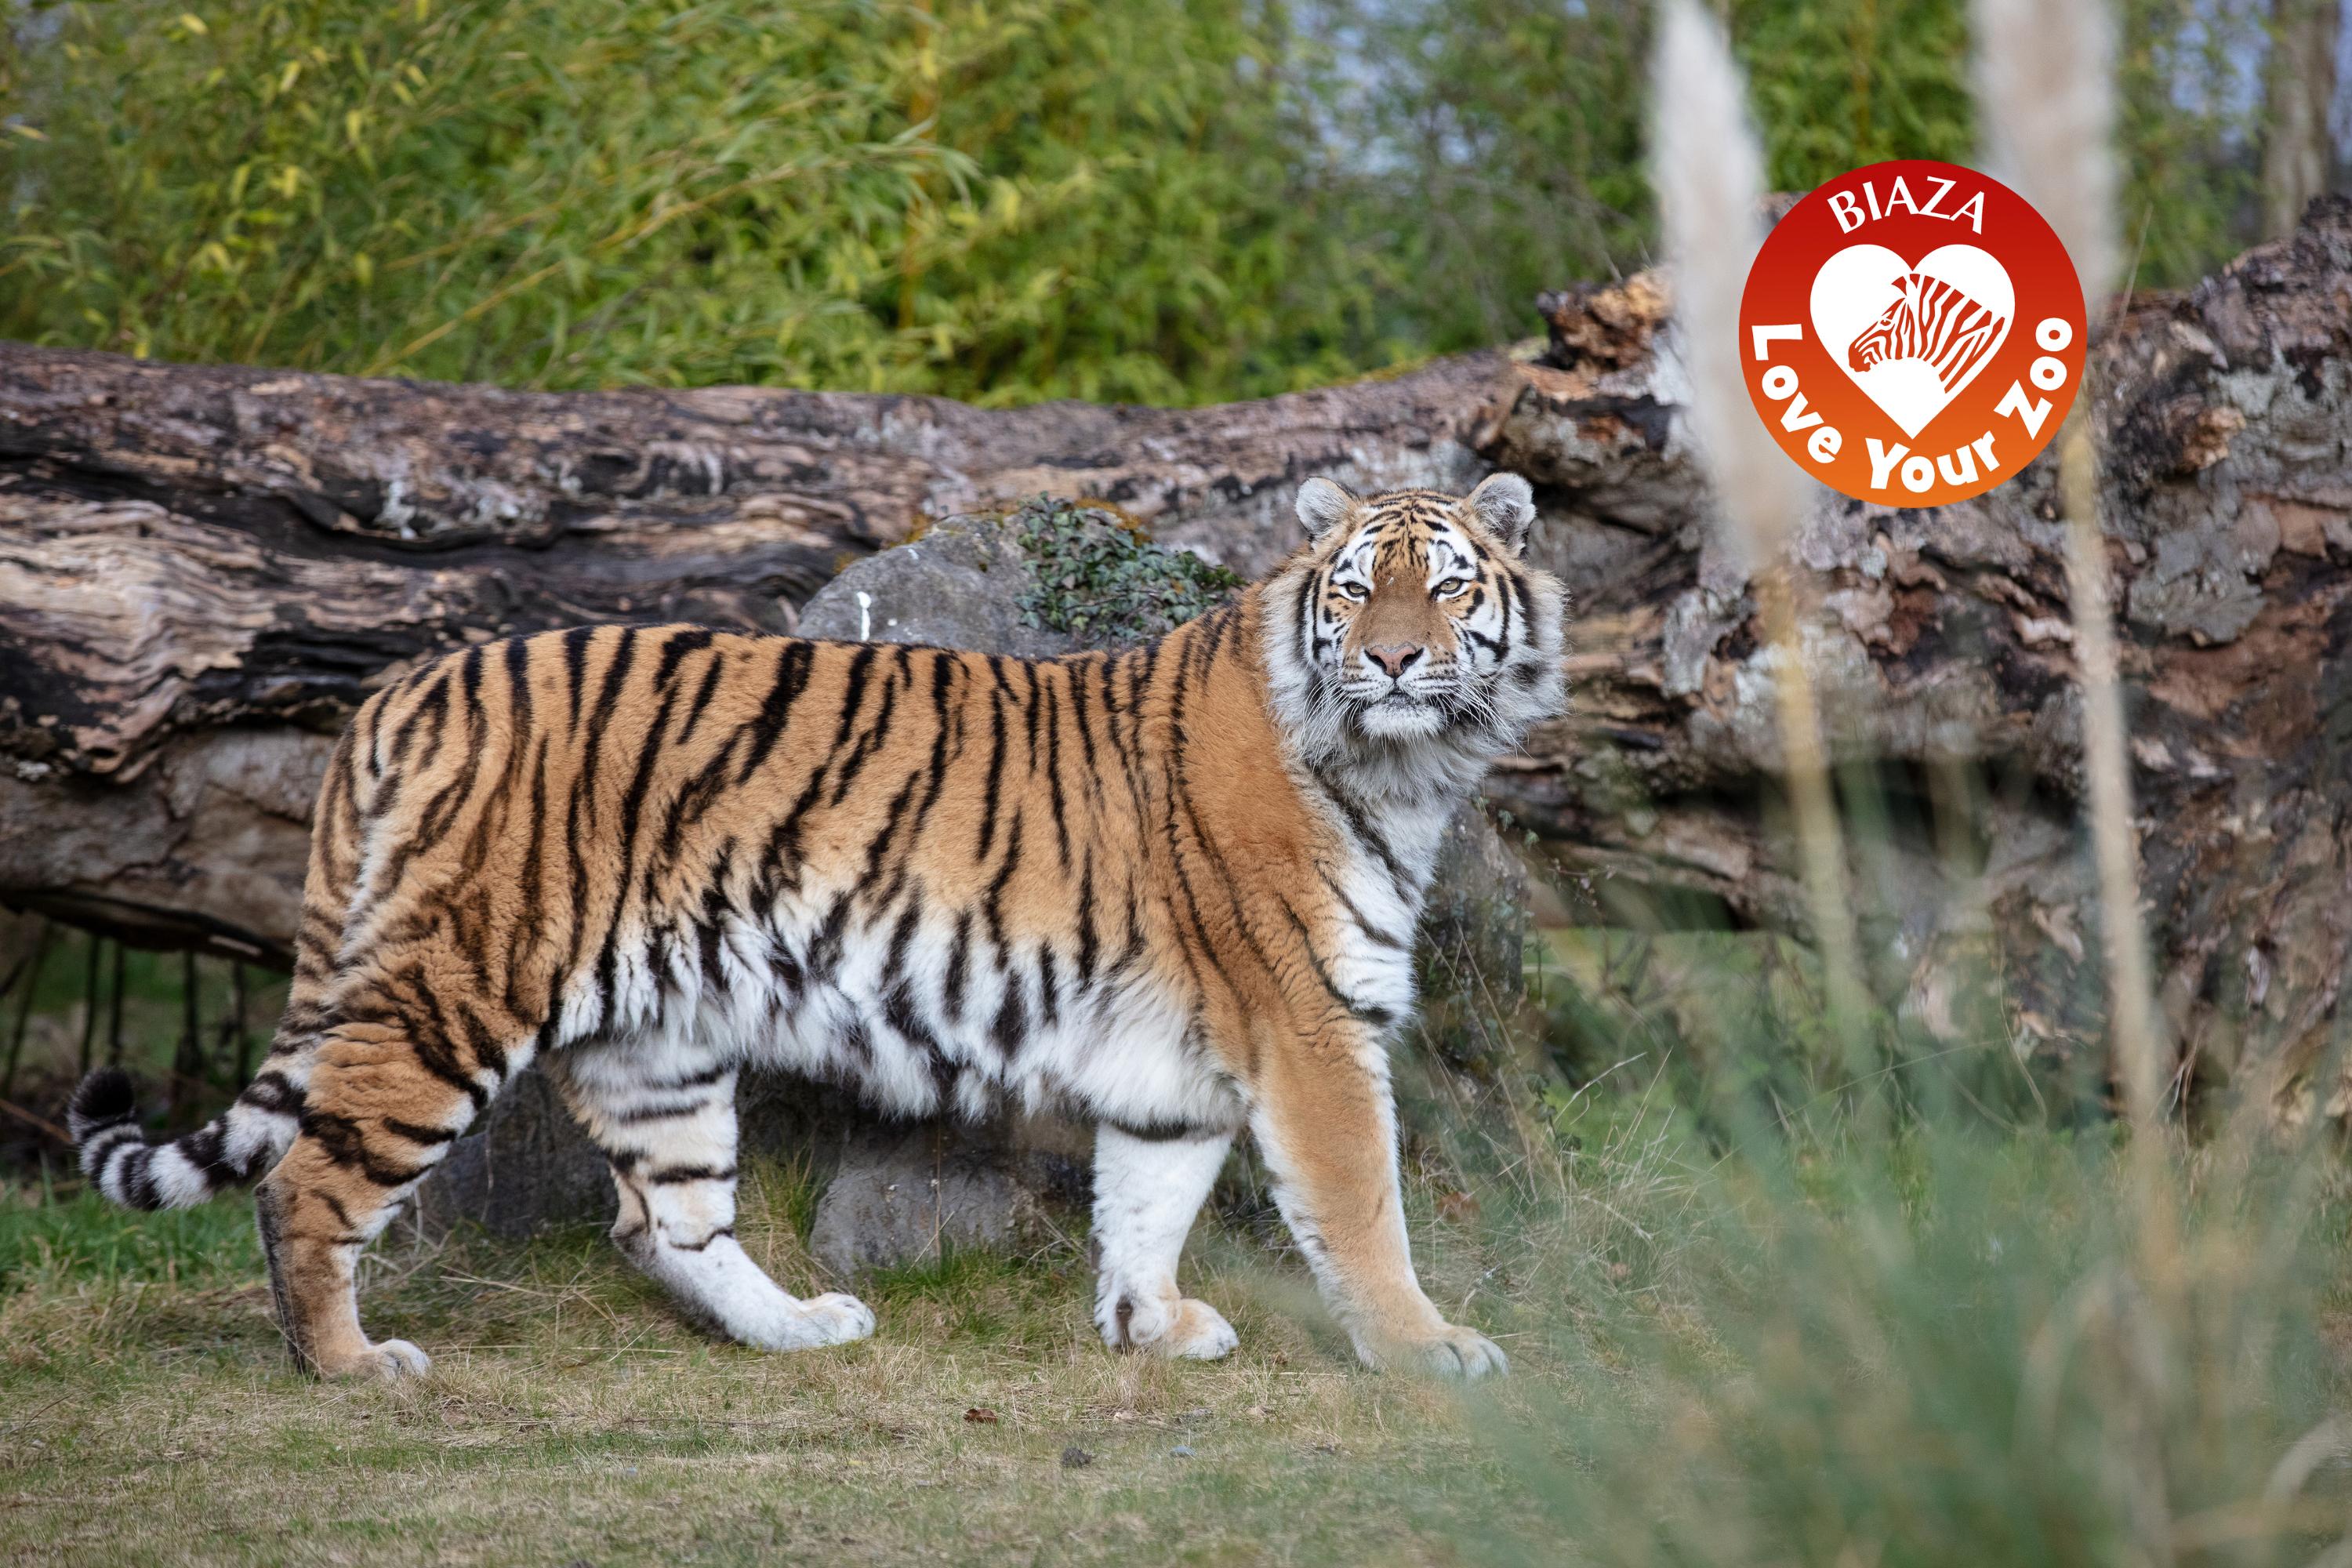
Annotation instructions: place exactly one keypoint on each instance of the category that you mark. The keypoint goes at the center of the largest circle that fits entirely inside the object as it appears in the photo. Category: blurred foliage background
(1165, 200)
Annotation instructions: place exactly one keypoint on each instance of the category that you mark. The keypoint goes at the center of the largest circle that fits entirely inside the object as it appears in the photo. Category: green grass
(1939, 1344)
(46, 1241)
(1759, 1311)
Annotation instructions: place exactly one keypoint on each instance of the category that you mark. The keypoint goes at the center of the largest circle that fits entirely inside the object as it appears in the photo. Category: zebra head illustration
(1932, 321)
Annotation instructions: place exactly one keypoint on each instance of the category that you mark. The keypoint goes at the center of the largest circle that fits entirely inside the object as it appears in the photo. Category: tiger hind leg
(1146, 1191)
(375, 1122)
(671, 1138)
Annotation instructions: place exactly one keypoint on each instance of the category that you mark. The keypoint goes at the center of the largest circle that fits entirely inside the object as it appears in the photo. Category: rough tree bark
(203, 569)
(1940, 639)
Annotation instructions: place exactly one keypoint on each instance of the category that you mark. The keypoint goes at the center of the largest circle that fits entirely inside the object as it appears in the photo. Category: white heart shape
(1911, 337)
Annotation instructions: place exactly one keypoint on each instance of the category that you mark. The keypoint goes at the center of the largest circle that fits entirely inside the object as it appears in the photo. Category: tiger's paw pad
(1197, 1332)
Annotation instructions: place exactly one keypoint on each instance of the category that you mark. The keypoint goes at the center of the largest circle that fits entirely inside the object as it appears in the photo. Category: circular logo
(1912, 333)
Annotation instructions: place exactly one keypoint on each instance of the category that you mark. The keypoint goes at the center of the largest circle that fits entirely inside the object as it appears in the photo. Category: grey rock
(527, 1165)
(913, 1196)
(957, 586)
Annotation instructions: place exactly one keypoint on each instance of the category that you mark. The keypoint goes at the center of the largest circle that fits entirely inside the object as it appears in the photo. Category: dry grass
(1885, 1340)
(571, 1417)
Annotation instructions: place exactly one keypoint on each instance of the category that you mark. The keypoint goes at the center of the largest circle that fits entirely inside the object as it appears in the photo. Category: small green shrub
(1104, 582)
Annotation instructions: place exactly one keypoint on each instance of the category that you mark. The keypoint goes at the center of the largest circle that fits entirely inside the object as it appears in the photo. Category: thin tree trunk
(188, 1058)
(2298, 153)
(89, 1007)
(31, 983)
(114, 1014)
(238, 1028)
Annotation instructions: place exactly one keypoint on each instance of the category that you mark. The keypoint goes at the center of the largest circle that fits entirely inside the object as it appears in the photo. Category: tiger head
(1410, 620)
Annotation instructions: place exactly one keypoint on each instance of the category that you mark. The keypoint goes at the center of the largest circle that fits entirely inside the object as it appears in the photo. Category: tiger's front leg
(1325, 1123)
(1146, 1191)
(671, 1141)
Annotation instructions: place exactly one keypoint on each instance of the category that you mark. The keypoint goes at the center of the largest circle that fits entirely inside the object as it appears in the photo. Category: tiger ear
(1504, 506)
(1323, 505)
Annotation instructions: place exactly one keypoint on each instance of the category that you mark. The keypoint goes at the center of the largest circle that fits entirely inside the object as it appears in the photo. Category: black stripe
(959, 967)
(824, 953)
(1078, 684)
(794, 663)
(435, 702)
(991, 903)
(877, 732)
(575, 664)
(702, 1079)
(885, 836)
(1010, 1030)
(1379, 937)
(995, 771)
(517, 663)
(702, 1246)
(899, 1011)
(531, 919)
(681, 642)
(1054, 773)
(416, 1135)
(943, 666)
(1049, 988)
(702, 697)
(1089, 944)
(672, 1175)
(1029, 714)
(271, 1091)
(661, 1110)
(902, 938)
(339, 1139)
(204, 1149)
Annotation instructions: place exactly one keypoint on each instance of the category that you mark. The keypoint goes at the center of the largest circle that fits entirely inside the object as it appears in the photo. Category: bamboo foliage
(993, 201)
(1170, 200)
(460, 190)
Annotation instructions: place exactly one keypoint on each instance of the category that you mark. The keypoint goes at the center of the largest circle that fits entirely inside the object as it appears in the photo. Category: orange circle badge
(1912, 333)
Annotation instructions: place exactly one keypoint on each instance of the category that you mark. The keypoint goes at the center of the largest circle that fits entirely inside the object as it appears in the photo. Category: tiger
(1172, 890)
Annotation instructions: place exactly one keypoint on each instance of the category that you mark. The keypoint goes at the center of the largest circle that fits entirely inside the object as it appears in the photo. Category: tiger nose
(1393, 657)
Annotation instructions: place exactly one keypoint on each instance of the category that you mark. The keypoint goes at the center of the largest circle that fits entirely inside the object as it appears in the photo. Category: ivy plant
(1099, 577)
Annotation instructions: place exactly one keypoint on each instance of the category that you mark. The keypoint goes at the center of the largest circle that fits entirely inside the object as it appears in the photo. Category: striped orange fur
(1172, 891)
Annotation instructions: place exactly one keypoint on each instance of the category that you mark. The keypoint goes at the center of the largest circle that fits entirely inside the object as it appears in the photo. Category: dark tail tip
(105, 1098)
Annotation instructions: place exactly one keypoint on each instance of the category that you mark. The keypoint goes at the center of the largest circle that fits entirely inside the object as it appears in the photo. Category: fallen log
(203, 569)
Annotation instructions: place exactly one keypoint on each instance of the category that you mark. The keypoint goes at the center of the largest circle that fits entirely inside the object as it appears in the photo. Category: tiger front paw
(1197, 1332)
(839, 1319)
(832, 1319)
(1452, 1351)
(390, 1360)
(1175, 1326)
